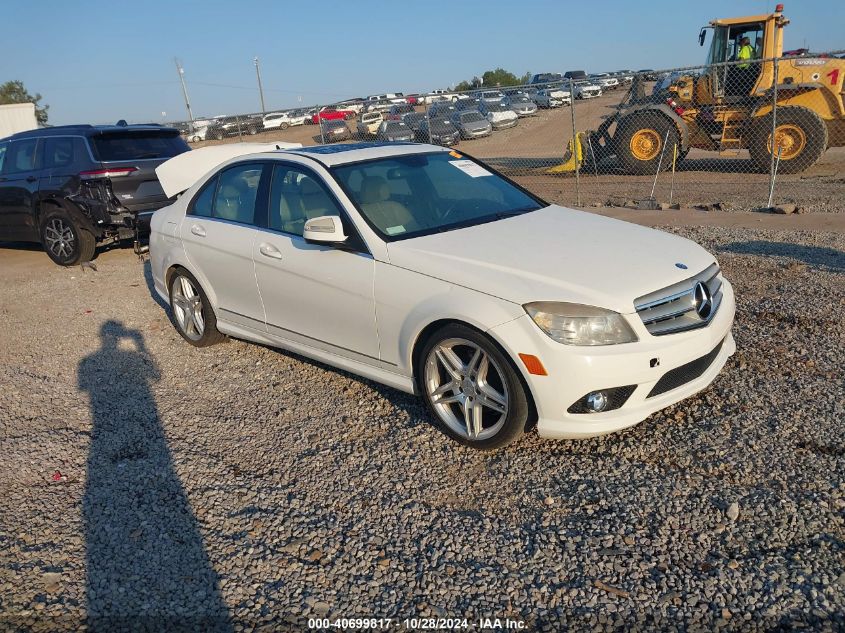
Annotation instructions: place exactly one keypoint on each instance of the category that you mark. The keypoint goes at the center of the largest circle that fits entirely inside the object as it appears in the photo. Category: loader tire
(801, 136)
(639, 142)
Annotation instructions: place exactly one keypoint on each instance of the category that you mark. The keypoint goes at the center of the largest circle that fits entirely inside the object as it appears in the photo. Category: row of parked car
(446, 122)
(546, 90)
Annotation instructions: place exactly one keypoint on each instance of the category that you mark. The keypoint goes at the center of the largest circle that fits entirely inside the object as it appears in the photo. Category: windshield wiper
(501, 215)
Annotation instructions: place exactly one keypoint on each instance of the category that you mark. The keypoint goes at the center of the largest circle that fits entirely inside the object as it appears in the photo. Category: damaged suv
(72, 187)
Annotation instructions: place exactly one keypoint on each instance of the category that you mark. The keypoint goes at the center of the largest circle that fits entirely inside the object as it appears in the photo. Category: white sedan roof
(181, 172)
(341, 154)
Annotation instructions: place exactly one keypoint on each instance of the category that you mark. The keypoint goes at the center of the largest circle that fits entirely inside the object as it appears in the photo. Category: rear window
(137, 145)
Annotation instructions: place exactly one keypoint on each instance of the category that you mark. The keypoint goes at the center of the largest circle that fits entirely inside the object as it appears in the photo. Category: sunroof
(346, 147)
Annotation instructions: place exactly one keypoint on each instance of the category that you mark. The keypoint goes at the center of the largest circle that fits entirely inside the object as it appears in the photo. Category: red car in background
(332, 114)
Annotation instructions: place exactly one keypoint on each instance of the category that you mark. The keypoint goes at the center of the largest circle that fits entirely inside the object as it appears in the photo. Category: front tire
(65, 242)
(801, 136)
(471, 388)
(193, 316)
(640, 139)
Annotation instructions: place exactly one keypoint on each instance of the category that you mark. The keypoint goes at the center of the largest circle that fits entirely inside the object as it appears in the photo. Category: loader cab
(733, 81)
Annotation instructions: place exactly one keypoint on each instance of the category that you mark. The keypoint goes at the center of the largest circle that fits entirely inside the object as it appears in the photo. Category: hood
(181, 172)
(555, 254)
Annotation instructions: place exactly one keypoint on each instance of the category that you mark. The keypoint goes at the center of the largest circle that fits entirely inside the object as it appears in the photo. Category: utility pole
(260, 88)
(184, 89)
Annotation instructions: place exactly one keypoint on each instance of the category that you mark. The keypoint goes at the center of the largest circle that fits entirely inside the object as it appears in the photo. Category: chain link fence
(691, 136)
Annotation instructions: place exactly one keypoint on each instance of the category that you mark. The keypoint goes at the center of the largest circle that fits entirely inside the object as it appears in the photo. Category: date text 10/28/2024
(418, 624)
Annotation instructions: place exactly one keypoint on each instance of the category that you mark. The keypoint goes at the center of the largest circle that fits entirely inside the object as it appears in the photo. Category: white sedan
(421, 268)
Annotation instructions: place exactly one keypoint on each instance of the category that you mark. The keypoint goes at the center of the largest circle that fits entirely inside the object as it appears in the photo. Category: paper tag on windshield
(394, 230)
(470, 168)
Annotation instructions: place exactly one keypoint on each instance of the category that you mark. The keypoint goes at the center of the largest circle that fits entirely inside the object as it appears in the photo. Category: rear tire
(802, 137)
(639, 142)
(192, 314)
(461, 373)
(283, 126)
(64, 240)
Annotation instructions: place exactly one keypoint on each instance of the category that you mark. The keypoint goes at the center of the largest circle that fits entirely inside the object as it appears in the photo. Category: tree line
(494, 79)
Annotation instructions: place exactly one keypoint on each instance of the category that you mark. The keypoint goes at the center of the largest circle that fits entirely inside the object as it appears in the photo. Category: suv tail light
(111, 172)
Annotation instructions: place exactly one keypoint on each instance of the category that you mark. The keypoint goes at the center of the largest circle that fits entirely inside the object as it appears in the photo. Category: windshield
(471, 117)
(418, 194)
(137, 145)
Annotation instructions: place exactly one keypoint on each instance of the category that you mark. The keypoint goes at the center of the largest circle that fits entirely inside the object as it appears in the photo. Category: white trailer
(17, 117)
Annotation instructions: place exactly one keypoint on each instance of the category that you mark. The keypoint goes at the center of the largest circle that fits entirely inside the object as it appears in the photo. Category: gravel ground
(149, 484)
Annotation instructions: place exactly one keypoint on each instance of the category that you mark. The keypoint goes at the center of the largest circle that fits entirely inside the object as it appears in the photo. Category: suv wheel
(64, 240)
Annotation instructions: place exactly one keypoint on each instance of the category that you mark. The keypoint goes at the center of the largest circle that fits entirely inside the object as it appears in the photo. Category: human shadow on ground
(821, 256)
(146, 564)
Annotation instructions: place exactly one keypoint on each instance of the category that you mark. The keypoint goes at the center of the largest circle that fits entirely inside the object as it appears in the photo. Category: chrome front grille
(682, 306)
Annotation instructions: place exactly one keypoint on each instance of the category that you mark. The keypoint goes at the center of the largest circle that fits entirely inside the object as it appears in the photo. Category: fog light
(597, 401)
(602, 400)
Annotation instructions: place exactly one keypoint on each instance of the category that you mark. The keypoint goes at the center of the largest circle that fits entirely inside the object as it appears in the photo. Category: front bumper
(504, 124)
(576, 371)
(477, 133)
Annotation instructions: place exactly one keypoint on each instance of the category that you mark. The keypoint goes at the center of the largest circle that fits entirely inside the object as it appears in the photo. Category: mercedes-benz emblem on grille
(702, 300)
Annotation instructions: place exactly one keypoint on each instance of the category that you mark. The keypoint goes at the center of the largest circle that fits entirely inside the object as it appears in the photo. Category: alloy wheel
(466, 388)
(187, 308)
(60, 238)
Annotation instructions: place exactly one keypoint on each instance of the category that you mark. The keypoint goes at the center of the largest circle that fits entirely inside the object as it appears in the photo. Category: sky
(97, 62)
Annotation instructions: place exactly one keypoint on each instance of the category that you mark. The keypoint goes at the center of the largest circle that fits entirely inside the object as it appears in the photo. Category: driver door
(314, 295)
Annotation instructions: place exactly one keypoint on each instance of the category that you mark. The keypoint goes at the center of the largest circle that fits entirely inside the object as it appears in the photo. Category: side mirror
(702, 35)
(327, 229)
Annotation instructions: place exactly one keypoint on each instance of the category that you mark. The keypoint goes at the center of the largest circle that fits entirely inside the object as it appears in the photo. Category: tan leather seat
(229, 202)
(381, 210)
(315, 201)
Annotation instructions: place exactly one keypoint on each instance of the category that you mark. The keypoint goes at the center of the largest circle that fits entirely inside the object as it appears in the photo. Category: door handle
(197, 230)
(268, 250)
(31, 178)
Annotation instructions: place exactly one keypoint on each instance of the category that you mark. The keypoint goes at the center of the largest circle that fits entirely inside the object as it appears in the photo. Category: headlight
(575, 324)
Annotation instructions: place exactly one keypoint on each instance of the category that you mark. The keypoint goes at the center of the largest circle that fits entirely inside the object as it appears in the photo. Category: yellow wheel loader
(728, 106)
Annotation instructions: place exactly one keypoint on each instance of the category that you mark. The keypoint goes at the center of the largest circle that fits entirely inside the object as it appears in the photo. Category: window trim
(6, 144)
(355, 241)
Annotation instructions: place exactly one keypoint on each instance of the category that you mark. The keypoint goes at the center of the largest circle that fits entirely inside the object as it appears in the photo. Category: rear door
(19, 190)
(139, 152)
(218, 234)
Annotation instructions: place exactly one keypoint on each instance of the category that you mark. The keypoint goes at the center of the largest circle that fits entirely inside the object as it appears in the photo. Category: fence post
(575, 142)
(238, 120)
(320, 121)
(427, 118)
(774, 151)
